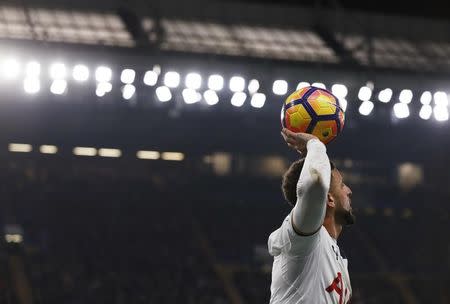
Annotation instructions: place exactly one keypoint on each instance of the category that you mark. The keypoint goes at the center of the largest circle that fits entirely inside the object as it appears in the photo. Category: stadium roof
(300, 34)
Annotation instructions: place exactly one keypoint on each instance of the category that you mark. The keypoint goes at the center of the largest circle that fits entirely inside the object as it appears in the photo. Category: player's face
(342, 196)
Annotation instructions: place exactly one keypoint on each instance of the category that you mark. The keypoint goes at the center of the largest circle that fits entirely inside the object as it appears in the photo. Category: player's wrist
(313, 143)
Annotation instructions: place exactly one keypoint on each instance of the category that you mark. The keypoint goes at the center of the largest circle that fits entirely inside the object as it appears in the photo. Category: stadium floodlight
(319, 85)
(10, 68)
(405, 96)
(440, 99)
(366, 107)
(364, 94)
(31, 85)
(302, 85)
(237, 84)
(128, 91)
(174, 156)
(58, 86)
(33, 69)
(58, 70)
(253, 86)
(147, 154)
(127, 76)
(238, 99)
(99, 92)
(339, 90)
(426, 111)
(191, 96)
(343, 102)
(215, 82)
(211, 97)
(80, 72)
(258, 100)
(103, 74)
(280, 87)
(172, 79)
(401, 110)
(48, 149)
(23, 148)
(106, 152)
(426, 98)
(163, 93)
(385, 95)
(84, 151)
(103, 88)
(150, 78)
(193, 81)
(440, 113)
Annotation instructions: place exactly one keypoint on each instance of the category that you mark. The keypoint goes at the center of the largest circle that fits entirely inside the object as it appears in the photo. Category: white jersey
(307, 269)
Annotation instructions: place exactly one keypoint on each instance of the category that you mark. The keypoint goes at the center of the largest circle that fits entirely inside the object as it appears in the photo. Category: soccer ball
(315, 111)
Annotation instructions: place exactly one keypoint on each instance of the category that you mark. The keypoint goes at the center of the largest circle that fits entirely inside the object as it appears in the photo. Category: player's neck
(333, 228)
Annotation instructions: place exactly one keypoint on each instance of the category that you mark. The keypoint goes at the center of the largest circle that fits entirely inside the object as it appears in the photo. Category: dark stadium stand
(120, 237)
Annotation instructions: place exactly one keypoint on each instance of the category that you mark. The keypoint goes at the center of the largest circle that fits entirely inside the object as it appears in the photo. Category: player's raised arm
(313, 183)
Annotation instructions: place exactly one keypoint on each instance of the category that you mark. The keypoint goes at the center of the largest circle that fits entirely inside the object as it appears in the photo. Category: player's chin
(347, 217)
(350, 217)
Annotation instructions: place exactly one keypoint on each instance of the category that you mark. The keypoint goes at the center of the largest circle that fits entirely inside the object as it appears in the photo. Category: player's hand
(297, 141)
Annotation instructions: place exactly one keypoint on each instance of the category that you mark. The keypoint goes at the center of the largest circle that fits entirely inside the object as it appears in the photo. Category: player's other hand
(296, 141)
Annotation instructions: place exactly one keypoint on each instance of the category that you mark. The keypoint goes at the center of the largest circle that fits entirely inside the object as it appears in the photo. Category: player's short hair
(290, 179)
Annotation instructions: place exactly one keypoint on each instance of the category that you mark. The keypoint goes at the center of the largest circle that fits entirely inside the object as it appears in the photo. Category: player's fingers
(289, 133)
(284, 136)
(291, 141)
(292, 146)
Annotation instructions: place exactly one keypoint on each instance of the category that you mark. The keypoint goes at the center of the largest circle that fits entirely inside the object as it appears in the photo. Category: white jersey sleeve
(286, 240)
(312, 188)
(309, 211)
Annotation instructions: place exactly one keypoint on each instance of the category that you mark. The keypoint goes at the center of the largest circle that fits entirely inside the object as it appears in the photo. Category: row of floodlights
(194, 81)
(102, 152)
(401, 108)
(103, 75)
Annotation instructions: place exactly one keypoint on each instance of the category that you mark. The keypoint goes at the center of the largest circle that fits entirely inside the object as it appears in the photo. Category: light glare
(31, 85)
(426, 98)
(33, 69)
(339, 90)
(58, 86)
(148, 154)
(405, 96)
(440, 113)
(211, 97)
(258, 100)
(58, 71)
(401, 110)
(238, 99)
(364, 94)
(426, 111)
(280, 87)
(366, 107)
(253, 86)
(127, 76)
(193, 81)
(150, 78)
(215, 82)
(163, 93)
(128, 91)
(172, 79)
(103, 74)
(385, 95)
(237, 84)
(80, 72)
(191, 96)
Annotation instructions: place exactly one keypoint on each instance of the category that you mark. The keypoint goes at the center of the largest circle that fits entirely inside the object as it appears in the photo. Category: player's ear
(330, 200)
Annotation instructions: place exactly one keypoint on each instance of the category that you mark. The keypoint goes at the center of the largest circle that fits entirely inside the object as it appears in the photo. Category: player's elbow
(315, 187)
